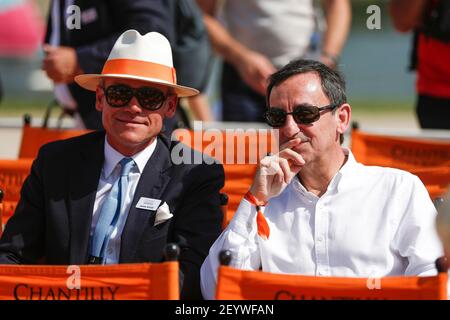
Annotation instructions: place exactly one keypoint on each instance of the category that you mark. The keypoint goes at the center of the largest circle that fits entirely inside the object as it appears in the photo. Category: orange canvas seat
(145, 281)
(12, 175)
(239, 152)
(435, 179)
(236, 284)
(399, 152)
(428, 159)
(1, 212)
(238, 179)
(34, 137)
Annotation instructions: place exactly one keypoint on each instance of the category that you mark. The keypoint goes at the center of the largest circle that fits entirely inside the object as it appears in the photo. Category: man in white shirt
(120, 196)
(312, 209)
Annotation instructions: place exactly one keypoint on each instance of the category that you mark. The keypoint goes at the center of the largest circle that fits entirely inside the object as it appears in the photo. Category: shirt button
(320, 239)
(322, 272)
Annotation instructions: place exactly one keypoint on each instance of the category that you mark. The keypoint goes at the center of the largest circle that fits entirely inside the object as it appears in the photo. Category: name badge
(148, 203)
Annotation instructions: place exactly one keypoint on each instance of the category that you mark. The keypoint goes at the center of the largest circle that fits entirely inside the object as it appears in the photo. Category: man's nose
(134, 105)
(290, 127)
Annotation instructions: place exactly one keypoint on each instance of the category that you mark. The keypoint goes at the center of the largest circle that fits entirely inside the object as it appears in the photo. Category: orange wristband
(261, 223)
(252, 199)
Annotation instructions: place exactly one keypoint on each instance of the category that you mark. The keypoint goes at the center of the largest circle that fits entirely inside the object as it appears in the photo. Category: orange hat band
(140, 69)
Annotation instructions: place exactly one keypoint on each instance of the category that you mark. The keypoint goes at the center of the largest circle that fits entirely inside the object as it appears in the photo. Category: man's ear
(343, 115)
(99, 95)
(172, 101)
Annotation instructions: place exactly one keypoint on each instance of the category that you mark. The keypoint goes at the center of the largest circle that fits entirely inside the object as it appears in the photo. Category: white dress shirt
(371, 222)
(110, 173)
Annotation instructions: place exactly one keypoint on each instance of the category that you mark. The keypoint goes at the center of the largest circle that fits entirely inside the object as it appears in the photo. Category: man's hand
(276, 172)
(61, 64)
(255, 69)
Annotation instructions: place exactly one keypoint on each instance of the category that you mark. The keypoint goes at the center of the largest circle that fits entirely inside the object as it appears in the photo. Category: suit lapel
(84, 179)
(152, 183)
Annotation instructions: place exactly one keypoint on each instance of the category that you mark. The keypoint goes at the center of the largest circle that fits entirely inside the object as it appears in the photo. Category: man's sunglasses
(303, 114)
(119, 95)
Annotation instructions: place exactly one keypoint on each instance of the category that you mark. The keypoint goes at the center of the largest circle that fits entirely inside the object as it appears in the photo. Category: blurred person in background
(257, 37)
(192, 57)
(72, 49)
(430, 21)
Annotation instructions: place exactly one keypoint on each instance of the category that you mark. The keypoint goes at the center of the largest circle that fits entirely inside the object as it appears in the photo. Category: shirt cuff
(244, 219)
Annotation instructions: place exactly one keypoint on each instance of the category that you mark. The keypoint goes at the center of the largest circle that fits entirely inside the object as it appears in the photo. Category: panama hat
(147, 58)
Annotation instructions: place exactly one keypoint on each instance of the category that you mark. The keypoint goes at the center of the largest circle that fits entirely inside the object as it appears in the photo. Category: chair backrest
(12, 176)
(236, 284)
(399, 152)
(238, 179)
(435, 179)
(1, 211)
(146, 281)
(428, 159)
(238, 151)
(34, 137)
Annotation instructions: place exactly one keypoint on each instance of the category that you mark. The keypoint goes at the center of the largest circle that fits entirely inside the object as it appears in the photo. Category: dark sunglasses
(119, 95)
(303, 114)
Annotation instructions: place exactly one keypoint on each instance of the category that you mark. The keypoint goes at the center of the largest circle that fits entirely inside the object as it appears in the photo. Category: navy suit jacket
(102, 22)
(52, 220)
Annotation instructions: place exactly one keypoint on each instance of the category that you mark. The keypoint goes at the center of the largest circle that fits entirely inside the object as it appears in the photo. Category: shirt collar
(341, 179)
(112, 157)
(345, 176)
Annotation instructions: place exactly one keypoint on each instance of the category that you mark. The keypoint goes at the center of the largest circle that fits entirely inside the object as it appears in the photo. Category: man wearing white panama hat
(117, 197)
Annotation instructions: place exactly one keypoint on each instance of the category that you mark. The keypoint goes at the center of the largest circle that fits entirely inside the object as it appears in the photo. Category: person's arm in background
(338, 18)
(407, 15)
(63, 63)
(200, 107)
(253, 67)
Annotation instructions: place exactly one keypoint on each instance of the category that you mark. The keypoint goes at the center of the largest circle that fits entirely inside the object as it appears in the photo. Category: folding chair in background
(429, 159)
(239, 152)
(140, 281)
(34, 137)
(399, 152)
(1, 212)
(234, 284)
(12, 175)
(435, 179)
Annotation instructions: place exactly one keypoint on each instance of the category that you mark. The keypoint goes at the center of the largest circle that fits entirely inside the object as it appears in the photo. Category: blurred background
(374, 63)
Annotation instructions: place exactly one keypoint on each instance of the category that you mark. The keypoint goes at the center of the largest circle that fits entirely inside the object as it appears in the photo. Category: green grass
(381, 106)
(18, 107)
(37, 107)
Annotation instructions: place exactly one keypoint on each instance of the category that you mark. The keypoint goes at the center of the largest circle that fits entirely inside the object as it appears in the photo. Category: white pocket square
(162, 214)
